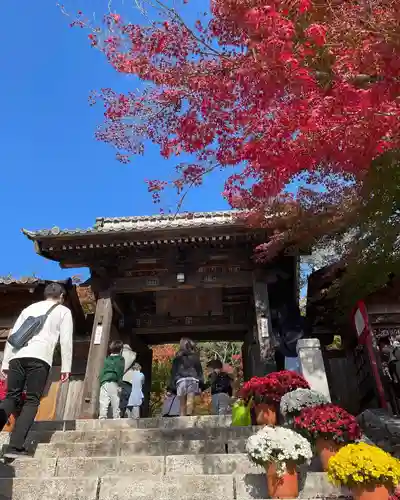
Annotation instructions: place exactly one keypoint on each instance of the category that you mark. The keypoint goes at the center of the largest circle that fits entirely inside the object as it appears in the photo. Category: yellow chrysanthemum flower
(361, 463)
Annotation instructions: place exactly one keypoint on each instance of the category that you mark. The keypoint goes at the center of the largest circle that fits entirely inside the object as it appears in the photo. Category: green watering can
(241, 413)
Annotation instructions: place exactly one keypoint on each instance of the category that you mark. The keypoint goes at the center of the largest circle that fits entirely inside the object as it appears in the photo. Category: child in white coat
(136, 397)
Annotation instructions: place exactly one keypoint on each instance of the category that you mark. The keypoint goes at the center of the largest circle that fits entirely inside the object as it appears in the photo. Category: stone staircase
(193, 458)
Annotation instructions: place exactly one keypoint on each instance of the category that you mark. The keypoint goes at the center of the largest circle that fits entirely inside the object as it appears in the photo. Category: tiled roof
(10, 280)
(105, 225)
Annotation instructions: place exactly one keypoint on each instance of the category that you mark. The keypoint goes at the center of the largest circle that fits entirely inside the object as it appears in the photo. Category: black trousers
(126, 389)
(29, 373)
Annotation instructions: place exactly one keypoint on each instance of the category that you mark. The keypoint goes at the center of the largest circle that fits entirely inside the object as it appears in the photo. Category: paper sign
(359, 322)
(98, 334)
(264, 328)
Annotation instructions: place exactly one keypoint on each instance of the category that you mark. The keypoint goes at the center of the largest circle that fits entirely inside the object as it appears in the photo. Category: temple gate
(162, 277)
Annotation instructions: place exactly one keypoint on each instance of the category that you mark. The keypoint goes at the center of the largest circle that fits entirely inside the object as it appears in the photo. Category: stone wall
(382, 429)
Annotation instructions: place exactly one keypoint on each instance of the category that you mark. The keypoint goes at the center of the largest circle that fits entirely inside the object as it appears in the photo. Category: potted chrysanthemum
(292, 403)
(266, 393)
(279, 450)
(367, 470)
(329, 426)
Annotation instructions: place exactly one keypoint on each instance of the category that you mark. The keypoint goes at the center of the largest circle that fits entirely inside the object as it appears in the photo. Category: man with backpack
(28, 358)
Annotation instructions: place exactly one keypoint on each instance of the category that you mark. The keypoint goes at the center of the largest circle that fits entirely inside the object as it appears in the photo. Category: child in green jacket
(110, 378)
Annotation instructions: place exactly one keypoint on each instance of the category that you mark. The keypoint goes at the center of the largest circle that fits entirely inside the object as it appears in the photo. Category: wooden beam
(71, 266)
(200, 336)
(97, 354)
(196, 280)
(382, 309)
(8, 322)
(188, 329)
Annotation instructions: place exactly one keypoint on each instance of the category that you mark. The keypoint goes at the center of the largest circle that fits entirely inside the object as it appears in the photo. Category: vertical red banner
(364, 333)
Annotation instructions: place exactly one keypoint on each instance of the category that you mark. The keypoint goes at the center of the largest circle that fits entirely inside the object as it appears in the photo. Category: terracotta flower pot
(326, 449)
(285, 486)
(372, 493)
(266, 414)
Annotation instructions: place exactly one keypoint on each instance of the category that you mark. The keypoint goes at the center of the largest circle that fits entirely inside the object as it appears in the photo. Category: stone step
(143, 423)
(49, 489)
(117, 448)
(28, 468)
(138, 435)
(182, 487)
(137, 465)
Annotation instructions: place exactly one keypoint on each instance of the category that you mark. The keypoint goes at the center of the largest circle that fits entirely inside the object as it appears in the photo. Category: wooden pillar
(263, 335)
(97, 354)
(251, 356)
(62, 400)
(245, 359)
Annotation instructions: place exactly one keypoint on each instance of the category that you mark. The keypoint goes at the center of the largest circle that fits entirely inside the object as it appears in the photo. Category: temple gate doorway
(229, 353)
(159, 278)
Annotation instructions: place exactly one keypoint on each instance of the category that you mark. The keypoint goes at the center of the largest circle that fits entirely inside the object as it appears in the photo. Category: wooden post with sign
(97, 354)
(263, 328)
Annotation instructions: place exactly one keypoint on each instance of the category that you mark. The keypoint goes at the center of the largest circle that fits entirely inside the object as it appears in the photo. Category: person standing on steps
(126, 385)
(137, 396)
(110, 379)
(29, 365)
(220, 384)
(186, 376)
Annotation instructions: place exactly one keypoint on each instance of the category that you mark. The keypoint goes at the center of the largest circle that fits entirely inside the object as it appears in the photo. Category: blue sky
(54, 173)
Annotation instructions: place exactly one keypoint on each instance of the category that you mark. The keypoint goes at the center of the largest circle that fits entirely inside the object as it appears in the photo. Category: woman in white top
(137, 396)
(126, 385)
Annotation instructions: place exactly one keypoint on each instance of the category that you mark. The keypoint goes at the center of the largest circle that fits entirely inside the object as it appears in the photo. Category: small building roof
(17, 293)
(31, 282)
(25, 280)
(144, 223)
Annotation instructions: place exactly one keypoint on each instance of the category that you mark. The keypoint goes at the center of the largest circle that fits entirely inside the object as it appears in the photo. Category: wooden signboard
(191, 302)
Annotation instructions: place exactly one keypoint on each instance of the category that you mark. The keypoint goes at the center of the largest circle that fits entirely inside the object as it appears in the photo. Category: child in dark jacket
(187, 376)
(110, 379)
(221, 388)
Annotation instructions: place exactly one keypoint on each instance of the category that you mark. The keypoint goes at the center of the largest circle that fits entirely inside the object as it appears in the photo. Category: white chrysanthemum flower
(293, 402)
(278, 445)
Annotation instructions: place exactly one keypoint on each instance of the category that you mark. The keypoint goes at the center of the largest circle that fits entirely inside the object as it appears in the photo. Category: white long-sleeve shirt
(58, 326)
(129, 357)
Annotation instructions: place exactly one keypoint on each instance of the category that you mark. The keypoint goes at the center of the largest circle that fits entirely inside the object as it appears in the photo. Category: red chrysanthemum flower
(272, 387)
(328, 421)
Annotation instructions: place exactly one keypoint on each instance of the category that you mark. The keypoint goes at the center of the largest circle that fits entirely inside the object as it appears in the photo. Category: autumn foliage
(280, 87)
(271, 92)
(164, 353)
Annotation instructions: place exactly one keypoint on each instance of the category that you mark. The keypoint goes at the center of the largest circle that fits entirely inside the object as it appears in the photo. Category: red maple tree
(164, 353)
(270, 91)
